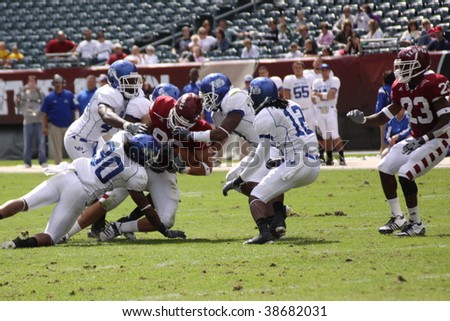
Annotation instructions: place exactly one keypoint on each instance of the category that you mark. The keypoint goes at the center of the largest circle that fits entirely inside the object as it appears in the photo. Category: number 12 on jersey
(294, 113)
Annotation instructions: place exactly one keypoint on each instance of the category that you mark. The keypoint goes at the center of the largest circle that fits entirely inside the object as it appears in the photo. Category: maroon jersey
(418, 102)
(160, 129)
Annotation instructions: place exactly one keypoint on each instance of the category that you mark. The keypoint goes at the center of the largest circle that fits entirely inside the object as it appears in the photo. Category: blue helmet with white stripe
(262, 91)
(166, 89)
(212, 90)
(123, 75)
(144, 149)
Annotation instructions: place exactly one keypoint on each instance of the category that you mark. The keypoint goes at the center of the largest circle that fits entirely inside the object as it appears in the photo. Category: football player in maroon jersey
(192, 158)
(421, 92)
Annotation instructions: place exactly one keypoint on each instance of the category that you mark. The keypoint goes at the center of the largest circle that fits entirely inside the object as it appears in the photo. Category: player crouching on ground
(279, 123)
(119, 164)
(422, 93)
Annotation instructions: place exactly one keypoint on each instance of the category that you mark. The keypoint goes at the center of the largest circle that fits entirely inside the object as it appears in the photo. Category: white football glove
(357, 116)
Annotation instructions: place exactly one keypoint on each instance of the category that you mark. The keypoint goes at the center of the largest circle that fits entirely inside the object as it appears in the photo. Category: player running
(422, 93)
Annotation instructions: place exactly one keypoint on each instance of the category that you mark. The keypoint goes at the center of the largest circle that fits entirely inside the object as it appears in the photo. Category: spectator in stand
(197, 54)
(194, 84)
(102, 80)
(118, 54)
(3, 52)
(397, 129)
(375, 31)
(60, 45)
(103, 48)
(346, 16)
(135, 56)
(345, 33)
(247, 80)
(182, 43)
(207, 25)
(427, 34)
(326, 37)
(326, 52)
(28, 102)
(207, 42)
(57, 114)
(293, 51)
(309, 48)
(150, 58)
(249, 50)
(300, 20)
(272, 34)
(383, 100)
(353, 45)
(222, 42)
(87, 49)
(440, 43)
(304, 35)
(263, 71)
(230, 34)
(367, 8)
(84, 97)
(285, 33)
(362, 20)
(14, 56)
(410, 36)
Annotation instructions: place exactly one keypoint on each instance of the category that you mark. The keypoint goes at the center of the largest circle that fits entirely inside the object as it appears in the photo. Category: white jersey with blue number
(236, 100)
(324, 86)
(286, 129)
(110, 168)
(138, 107)
(300, 89)
(90, 125)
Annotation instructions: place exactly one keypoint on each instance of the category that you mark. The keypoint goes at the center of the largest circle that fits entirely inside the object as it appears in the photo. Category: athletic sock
(75, 229)
(329, 154)
(414, 214)
(396, 210)
(262, 226)
(341, 154)
(129, 227)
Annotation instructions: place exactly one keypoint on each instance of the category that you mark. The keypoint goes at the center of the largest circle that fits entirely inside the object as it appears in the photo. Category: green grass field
(332, 250)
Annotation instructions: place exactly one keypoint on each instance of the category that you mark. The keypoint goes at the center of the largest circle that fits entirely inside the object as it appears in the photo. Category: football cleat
(329, 162)
(111, 231)
(266, 238)
(63, 239)
(412, 229)
(342, 161)
(15, 243)
(97, 228)
(394, 223)
(288, 211)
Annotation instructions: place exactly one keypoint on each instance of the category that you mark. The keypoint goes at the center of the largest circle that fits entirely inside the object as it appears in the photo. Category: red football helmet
(411, 62)
(186, 111)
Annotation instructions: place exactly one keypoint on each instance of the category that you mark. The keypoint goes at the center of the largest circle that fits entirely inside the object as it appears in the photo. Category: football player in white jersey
(105, 111)
(233, 113)
(297, 87)
(280, 123)
(119, 164)
(325, 96)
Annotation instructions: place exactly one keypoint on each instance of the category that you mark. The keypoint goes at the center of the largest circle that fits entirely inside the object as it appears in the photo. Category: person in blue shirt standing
(57, 112)
(384, 99)
(194, 84)
(397, 129)
(86, 94)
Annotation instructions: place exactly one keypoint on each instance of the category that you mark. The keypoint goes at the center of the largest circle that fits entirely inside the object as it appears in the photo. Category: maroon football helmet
(186, 111)
(411, 62)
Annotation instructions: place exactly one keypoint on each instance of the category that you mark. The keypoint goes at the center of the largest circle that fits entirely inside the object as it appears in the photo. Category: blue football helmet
(262, 91)
(144, 149)
(166, 89)
(212, 90)
(123, 75)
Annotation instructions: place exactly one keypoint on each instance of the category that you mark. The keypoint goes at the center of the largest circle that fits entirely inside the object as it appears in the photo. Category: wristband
(125, 125)
(387, 112)
(364, 120)
(425, 138)
(204, 136)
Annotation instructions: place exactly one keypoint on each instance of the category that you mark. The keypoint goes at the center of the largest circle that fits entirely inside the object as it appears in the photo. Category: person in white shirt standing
(297, 87)
(87, 49)
(325, 96)
(278, 122)
(150, 58)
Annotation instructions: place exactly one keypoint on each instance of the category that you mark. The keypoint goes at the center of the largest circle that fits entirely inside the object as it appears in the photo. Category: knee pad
(408, 187)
